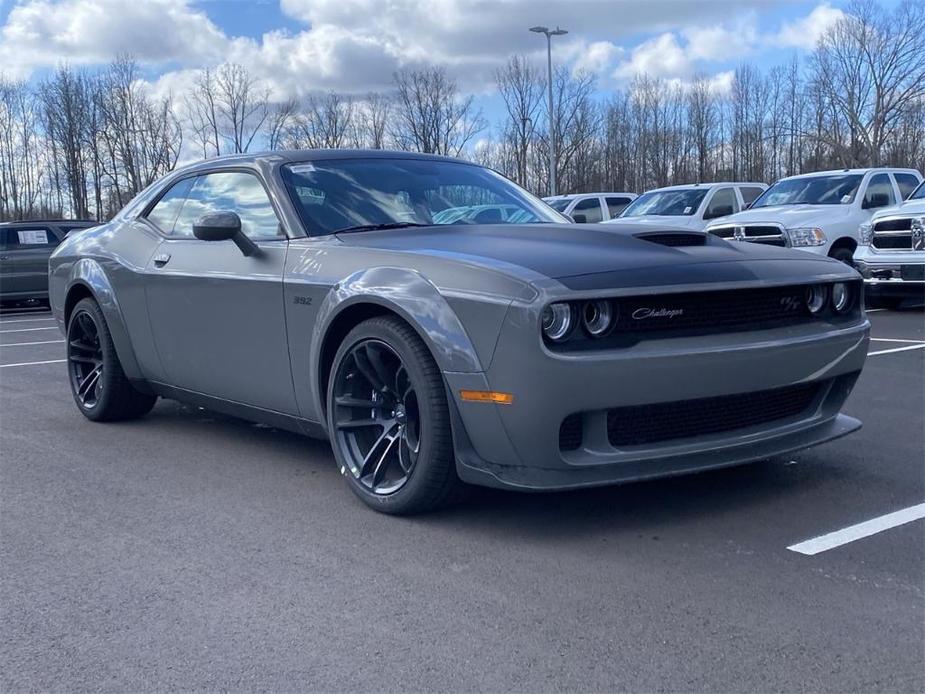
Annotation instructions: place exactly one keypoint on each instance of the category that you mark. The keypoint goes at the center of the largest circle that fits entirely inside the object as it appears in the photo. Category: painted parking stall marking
(907, 348)
(859, 531)
(33, 363)
(29, 344)
(27, 330)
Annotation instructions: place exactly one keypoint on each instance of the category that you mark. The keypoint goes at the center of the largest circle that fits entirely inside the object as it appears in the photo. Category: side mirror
(579, 218)
(721, 211)
(223, 226)
(876, 200)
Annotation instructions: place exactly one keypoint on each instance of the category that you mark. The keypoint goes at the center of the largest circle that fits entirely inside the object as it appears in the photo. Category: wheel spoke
(83, 346)
(91, 379)
(364, 423)
(374, 355)
(367, 371)
(384, 442)
(347, 401)
(84, 360)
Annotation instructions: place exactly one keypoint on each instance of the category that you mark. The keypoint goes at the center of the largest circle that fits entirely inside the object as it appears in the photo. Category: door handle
(161, 259)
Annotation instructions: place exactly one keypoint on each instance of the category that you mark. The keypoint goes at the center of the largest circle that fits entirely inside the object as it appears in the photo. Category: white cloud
(662, 56)
(43, 33)
(805, 32)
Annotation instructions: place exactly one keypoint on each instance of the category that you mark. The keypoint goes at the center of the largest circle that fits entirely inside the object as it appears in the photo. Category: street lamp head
(539, 30)
(558, 32)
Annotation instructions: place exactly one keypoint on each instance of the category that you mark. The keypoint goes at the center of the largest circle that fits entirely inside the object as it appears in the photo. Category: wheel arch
(400, 292)
(89, 280)
(843, 242)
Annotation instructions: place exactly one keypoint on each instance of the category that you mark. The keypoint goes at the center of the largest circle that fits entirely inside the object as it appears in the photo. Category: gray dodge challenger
(441, 326)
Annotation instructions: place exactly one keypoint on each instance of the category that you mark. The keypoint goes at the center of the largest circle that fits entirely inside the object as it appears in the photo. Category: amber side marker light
(487, 396)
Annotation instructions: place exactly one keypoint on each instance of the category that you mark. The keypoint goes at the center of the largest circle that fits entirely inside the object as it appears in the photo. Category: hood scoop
(675, 238)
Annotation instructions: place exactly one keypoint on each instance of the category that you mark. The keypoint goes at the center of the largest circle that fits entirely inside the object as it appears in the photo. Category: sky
(354, 46)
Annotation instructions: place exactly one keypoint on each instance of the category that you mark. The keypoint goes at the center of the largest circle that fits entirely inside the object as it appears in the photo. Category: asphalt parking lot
(189, 550)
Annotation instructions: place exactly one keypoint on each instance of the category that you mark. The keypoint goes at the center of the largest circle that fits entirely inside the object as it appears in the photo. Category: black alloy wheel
(389, 420)
(85, 359)
(99, 385)
(377, 420)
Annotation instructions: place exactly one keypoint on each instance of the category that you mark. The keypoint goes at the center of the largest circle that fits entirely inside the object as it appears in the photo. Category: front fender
(89, 274)
(407, 293)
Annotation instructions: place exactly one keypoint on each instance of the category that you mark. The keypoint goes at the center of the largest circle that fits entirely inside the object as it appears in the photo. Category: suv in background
(24, 251)
(819, 212)
(891, 257)
(591, 207)
(690, 206)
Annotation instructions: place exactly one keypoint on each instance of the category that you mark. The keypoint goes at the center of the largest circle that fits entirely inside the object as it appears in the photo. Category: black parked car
(24, 251)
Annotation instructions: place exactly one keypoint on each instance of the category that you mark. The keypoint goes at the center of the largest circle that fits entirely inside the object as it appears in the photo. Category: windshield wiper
(379, 227)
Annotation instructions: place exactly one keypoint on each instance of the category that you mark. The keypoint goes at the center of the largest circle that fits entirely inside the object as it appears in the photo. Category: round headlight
(815, 298)
(841, 297)
(557, 321)
(597, 317)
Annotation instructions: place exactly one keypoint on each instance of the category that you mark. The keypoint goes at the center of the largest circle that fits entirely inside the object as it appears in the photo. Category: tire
(844, 255)
(384, 373)
(100, 387)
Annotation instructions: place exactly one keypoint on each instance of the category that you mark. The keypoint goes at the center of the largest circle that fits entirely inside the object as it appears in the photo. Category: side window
(879, 192)
(616, 205)
(29, 237)
(230, 191)
(906, 183)
(590, 209)
(724, 202)
(750, 194)
(164, 214)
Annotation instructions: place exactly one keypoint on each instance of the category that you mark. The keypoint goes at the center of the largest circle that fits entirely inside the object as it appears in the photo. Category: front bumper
(517, 446)
(899, 274)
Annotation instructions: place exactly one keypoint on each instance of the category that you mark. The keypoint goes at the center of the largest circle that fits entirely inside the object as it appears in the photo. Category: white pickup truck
(891, 257)
(819, 212)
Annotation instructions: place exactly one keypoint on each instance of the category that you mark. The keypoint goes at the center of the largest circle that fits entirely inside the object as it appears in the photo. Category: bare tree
(431, 115)
(521, 87)
(868, 69)
(227, 108)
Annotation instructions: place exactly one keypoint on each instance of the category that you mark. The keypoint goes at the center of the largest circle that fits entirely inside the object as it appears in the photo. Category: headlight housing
(557, 321)
(815, 298)
(597, 317)
(866, 233)
(806, 236)
(841, 297)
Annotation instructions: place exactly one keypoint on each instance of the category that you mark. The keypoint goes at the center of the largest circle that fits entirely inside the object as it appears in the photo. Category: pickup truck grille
(646, 424)
(892, 235)
(768, 234)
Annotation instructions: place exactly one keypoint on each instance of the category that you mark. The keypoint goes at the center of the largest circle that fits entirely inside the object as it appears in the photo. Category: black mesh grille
(676, 240)
(772, 234)
(894, 225)
(570, 433)
(902, 242)
(741, 308)
(644, 424)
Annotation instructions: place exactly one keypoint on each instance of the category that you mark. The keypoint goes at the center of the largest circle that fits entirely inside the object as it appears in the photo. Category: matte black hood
(576, 253)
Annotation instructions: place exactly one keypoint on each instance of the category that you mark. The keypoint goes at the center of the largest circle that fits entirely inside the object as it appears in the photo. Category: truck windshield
(836, 189)
(673, 203)
(343, 195)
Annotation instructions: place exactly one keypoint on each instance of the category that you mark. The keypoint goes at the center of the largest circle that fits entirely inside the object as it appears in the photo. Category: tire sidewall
(407, 495)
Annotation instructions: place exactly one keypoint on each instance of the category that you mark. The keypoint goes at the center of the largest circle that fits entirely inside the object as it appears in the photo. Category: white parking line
(27, 330)
(25, 344)
(25, 320)
(893, 339)
(859, 531)
(896, 349)
(872, 310)
(33, 363)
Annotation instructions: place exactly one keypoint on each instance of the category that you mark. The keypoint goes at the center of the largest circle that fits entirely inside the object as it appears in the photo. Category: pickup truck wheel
(101, 390)
(844, 255)
(389, 421)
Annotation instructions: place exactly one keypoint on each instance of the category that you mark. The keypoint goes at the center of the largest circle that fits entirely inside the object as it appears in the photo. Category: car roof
(573, 196)
(833, 172)
(707, 186)
(292, 156)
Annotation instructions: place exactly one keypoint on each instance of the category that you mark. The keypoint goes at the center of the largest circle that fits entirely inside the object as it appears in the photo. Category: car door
(721, 203)
(217, 315)
(587, 211)
(25, 253)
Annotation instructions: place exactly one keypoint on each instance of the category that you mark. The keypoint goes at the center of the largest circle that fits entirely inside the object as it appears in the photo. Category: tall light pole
(552, 121)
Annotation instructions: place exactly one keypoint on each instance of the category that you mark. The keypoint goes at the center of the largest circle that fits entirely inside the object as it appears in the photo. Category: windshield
(559, 205)
(837, 189)
(361, 194)
(673, 203)
(918, 193)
